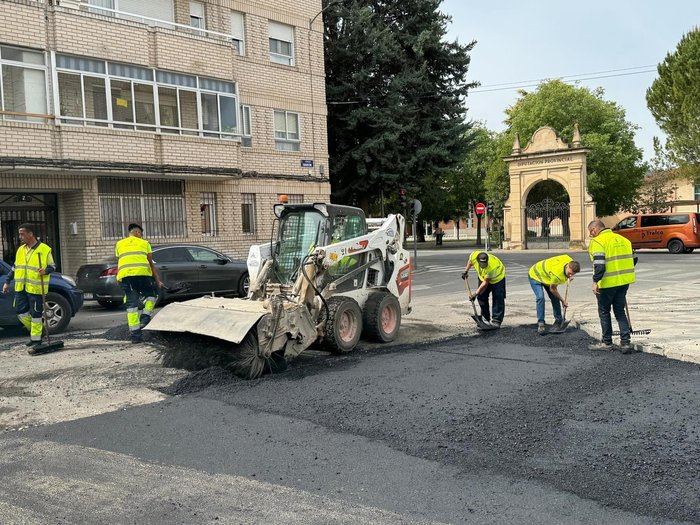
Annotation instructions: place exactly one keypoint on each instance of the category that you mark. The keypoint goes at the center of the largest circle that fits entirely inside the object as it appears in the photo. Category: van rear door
(652, 232)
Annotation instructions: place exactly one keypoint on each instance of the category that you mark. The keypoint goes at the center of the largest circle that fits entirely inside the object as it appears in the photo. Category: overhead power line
(568, 76)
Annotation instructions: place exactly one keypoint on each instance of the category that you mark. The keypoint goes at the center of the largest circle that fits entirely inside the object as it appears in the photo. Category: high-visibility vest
(495, 270)
(132, 253)
(619, 258)
(27, 267)
(551, 271)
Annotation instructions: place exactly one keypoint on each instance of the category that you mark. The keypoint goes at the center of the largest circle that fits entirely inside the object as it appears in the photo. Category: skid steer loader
(329, 277)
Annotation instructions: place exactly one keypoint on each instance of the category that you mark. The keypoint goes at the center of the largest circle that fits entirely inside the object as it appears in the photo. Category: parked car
(677, 232)
(63, 301)
(203, 270)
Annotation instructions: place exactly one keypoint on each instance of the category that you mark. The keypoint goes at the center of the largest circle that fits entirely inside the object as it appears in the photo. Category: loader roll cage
(303, 227)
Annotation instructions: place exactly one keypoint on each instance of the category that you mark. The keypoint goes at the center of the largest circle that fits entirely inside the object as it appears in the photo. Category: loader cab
(303, 227)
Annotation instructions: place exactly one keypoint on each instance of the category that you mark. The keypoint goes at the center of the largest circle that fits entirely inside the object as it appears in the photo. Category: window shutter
(197, 9)
(237, 26)
(281, 32)
(158, 9)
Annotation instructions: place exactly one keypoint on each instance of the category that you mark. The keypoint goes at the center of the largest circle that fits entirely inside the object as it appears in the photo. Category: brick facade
(66, 160)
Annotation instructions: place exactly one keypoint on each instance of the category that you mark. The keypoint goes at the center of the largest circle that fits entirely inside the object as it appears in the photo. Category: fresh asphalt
(502, 428)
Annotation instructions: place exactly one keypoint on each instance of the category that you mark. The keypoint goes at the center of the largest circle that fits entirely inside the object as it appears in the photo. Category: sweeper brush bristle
(196, 352)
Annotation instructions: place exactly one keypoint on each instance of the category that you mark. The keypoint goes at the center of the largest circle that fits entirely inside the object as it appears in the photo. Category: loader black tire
(344, 326)
(382, 317)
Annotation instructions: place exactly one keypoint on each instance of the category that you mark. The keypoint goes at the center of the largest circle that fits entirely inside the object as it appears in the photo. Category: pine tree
(396, 93)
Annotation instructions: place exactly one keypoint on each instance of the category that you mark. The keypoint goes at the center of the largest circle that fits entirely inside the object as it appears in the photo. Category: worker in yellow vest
(613, 272)
(139, 279)
(492, 281)
(545, 276)
(33, 263)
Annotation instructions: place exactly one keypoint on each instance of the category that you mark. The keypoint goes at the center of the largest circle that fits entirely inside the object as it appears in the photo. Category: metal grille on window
(207, 209)
(157, 205)
(248, 212)
(295, 198)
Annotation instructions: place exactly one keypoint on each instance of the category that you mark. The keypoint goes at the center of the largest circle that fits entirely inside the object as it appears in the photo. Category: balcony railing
(155, 22)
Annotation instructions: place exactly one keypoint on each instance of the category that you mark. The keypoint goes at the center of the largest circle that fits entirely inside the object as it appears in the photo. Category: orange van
(678, 232)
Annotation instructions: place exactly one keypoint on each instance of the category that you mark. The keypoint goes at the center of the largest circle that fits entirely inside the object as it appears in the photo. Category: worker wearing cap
(492, 281)
(31, 272)
(138, 277)
(613, 272)
(545, 276)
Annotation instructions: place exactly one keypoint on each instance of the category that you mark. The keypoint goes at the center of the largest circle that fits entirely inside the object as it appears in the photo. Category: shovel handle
(566, 297)
(627, 311)
(469, 291)
(44, 321)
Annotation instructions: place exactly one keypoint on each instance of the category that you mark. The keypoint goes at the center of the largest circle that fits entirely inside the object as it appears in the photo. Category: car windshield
(298, 236)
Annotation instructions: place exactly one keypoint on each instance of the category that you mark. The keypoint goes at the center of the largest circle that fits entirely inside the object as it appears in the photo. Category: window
(287, 137)
(697, 192)
(246, 128)
(158, 205)
(197, 15)
(238, 32)
(203, 255)
(248, 212)
(22, 84)
(679, 219)
(654, 220)
(207, 209)
(151, 12)
(629, 222)
(123, 96)
(171, 255)
(281, 44)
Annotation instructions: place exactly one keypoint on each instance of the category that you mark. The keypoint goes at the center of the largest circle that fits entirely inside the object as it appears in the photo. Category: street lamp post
(311, 75)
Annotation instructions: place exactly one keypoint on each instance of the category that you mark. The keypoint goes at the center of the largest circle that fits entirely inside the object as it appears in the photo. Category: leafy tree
(395, 89)
(659, 187)
(615, 168)
(674, 100)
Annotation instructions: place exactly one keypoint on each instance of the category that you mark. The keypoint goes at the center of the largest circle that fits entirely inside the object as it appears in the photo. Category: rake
(645, 331)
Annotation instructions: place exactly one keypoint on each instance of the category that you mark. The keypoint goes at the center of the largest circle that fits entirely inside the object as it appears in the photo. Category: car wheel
(244, 285)
(110, 305)
(675, 246)
(58, 312)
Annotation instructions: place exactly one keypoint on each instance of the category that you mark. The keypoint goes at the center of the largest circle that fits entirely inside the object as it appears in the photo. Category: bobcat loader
(330, 276)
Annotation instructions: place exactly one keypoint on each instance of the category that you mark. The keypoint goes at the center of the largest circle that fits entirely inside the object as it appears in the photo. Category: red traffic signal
(480, 208)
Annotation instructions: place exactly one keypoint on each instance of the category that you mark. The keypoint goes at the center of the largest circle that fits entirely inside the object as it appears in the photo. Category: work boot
(626, 347)
(144, 320)
(496, 324)
(136, 337)
(608, 347)
(32, 344)
(541, 328)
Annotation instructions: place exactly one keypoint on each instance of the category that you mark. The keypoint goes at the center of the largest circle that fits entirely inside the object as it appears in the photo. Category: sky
(537, 39)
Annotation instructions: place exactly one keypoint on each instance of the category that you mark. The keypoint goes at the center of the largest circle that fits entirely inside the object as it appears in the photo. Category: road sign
(307, 163)
(480, 208)
(416, 207)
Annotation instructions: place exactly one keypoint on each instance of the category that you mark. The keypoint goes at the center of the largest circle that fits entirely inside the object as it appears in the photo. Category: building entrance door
(40, 210)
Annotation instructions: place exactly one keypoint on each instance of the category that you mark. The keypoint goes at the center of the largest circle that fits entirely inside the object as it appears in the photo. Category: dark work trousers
(615, 298)
(498, 292)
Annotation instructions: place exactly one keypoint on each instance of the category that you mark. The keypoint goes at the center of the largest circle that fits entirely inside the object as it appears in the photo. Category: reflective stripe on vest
(27, 277)
(495, 270)
(550, 271)
(618, 258)
(132, 253)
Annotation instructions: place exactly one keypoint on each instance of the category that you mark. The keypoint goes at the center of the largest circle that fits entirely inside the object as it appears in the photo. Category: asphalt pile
(199, 380)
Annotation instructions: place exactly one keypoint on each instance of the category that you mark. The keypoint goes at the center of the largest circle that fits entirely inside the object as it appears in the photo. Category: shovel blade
(561, 329)
(646, 331)
(46, 348)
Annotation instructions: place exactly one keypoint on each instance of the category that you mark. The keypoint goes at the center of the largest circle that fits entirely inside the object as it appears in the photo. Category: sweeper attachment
(326, 279)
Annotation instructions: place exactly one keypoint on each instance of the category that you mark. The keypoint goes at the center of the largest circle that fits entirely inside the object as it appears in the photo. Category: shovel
(48, 346)
(564, 323)
(645, 331)
(480, 323)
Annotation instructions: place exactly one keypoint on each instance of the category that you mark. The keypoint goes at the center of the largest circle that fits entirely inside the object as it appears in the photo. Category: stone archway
(547, 159)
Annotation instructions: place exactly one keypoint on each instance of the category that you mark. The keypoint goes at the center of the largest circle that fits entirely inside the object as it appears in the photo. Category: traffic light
(403, 197)
(412, 207)
(489, 208)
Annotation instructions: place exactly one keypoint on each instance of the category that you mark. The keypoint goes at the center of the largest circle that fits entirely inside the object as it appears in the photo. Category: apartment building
(189, 117)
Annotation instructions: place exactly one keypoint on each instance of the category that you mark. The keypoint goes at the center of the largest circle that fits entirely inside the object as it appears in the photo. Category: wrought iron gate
(38, 210)
(547, 224)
